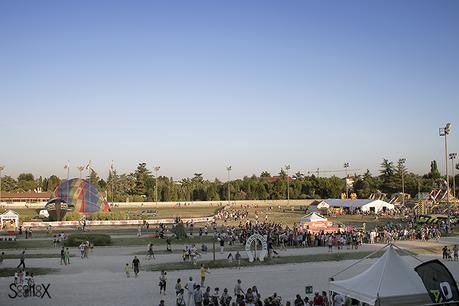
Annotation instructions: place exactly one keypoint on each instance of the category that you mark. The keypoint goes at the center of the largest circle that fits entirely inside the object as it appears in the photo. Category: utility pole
(402, 163)
(287, 168)
(346, 165)
(1, 169)
(112, 171)
(156, 184)
(453, 156)
(444, 132)
(229, 184)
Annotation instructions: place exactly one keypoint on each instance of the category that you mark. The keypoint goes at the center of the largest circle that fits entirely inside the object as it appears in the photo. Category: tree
(434, 173)
(265, 174)
(9, 184)
(141, 175)
(53, 182)
(26, 182)
(93, 178)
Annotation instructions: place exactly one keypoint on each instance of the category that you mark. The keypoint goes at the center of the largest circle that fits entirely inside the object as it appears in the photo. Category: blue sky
(196, 85)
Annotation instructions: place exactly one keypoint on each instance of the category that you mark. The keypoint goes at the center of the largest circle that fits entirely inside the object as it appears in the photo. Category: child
(127, 270)
(238, 259)
(230, 257)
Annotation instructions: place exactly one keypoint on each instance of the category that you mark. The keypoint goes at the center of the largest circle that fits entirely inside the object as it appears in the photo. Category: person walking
(203, 272)
(135, 266)
(22, 260)
(162, 282)
(127, 270)
(178, 286)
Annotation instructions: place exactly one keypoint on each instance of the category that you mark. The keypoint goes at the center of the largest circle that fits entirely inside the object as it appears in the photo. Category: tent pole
(360, 260)
(406, 252)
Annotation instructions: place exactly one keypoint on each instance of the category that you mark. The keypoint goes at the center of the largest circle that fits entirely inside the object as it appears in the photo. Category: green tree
(26, 182)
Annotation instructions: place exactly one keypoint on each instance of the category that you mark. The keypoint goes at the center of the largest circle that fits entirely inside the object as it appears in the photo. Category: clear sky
(196, 85)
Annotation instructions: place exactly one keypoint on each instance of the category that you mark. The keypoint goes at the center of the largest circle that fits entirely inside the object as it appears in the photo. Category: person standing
(197, 296)
(63, 256)
(22, 260)
(180, 301)
(178, 286)
(67, 256)
(135, 266)
(455, 252)
(222, 244)
(238, 259)
(238, 289)
(1, 257)
(190, 286)
(162, 282)
(203, 273)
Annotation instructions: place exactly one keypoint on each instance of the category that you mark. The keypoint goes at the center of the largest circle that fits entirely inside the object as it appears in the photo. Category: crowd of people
(194, 293)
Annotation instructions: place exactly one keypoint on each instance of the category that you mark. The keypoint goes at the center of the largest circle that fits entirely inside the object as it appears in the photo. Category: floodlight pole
(156, 184)
(112, 171)
(346, 165)
(445, 132)
(453, 156)
(1, 169)
(287, 168)
(229, 185)
(402, 163)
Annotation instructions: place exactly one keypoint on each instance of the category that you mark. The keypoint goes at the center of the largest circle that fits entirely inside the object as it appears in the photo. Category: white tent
(313, 217)
(363, 204)
(389, 281)
(9, 215)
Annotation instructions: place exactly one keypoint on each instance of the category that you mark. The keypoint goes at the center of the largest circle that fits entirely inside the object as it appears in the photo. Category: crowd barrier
(114, 222)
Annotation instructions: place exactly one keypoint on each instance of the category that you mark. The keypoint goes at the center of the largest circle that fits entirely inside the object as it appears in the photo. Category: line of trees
(140, 185)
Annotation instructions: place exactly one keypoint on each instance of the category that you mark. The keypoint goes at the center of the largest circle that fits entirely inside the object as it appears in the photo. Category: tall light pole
(67, 167)
(156, 184)
(346, 165)
(402, 162)
(453, 156)
(287, 168)
(112, 171)
(229, 191)
(1, 169)
(444, 132)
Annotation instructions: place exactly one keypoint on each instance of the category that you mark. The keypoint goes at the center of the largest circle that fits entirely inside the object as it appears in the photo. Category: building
(24, 197)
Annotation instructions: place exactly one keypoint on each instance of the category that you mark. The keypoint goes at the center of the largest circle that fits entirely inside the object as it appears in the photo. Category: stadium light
(156, 184)
(444, 132)
(453, 156)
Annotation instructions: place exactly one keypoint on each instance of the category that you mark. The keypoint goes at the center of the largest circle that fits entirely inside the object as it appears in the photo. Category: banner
(439, 281)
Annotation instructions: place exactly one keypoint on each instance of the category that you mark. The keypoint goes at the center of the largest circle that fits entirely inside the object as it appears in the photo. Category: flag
(439, 281)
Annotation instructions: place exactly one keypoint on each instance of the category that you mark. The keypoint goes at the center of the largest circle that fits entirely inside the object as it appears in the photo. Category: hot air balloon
(77, 195)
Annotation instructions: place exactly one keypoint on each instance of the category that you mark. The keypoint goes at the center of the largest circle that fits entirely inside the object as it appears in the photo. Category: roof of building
(24, 195)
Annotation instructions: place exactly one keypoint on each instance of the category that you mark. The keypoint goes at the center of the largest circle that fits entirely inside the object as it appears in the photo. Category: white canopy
(363, 204)
(313, 217)
(389, 281)
(9, 215)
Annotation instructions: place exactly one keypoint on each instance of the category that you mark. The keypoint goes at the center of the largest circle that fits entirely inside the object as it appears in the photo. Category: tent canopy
(9, 215)
(363, 204)
(313, 217)
(389, 279)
